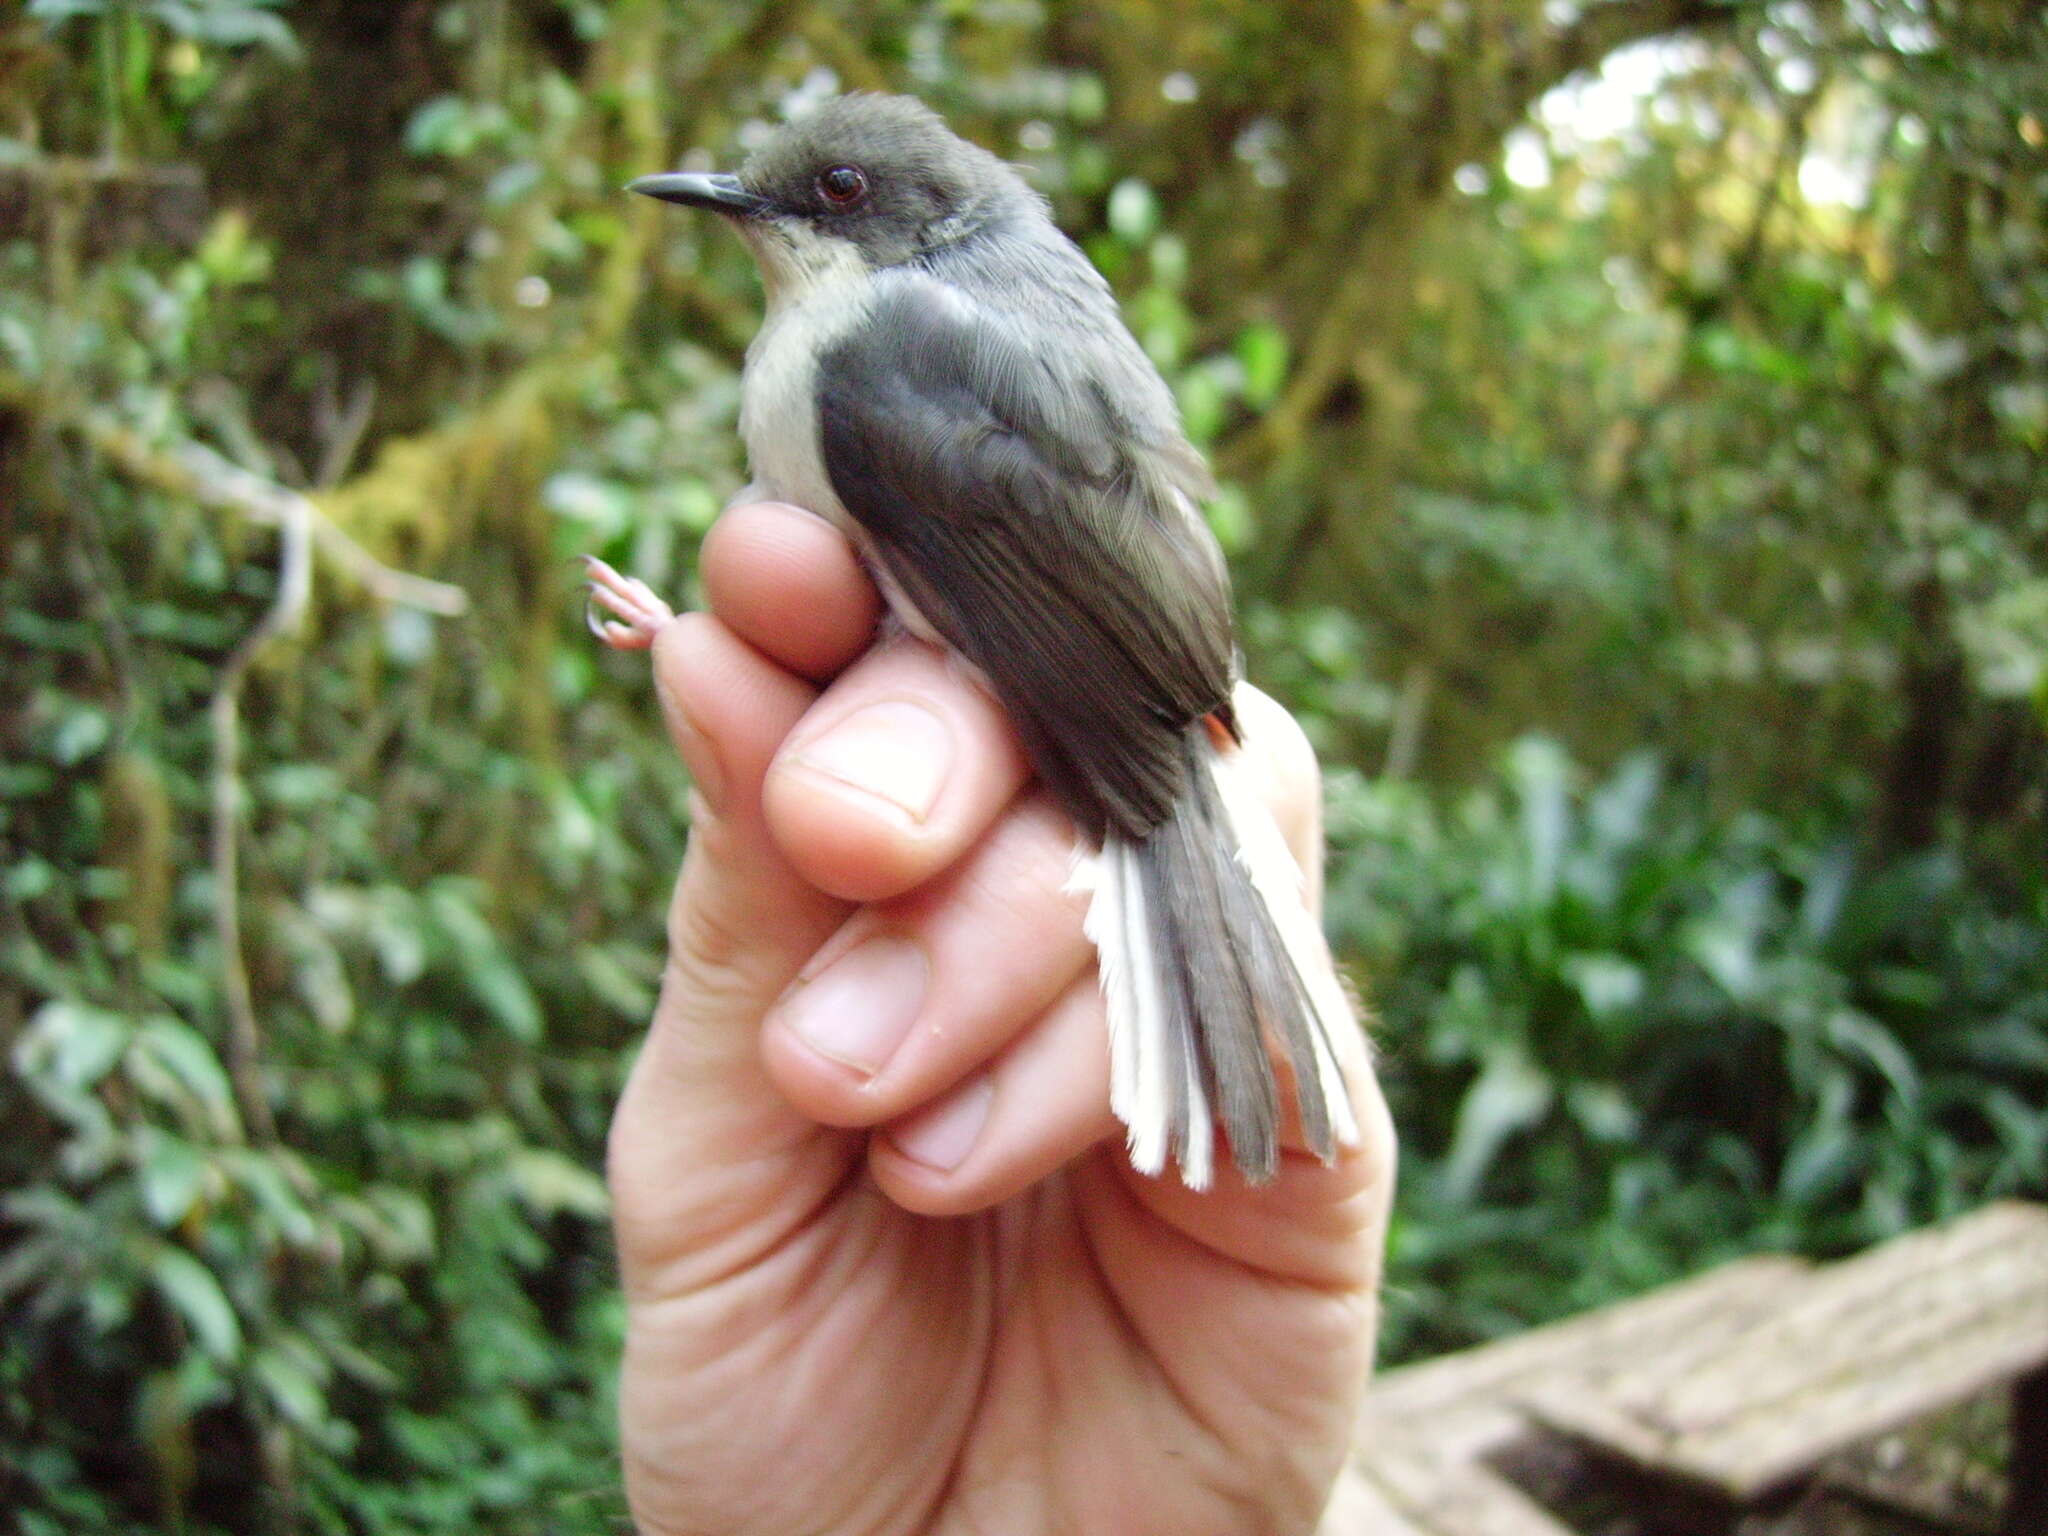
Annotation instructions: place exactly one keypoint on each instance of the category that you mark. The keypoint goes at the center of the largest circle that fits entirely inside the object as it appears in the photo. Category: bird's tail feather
(1205, 949)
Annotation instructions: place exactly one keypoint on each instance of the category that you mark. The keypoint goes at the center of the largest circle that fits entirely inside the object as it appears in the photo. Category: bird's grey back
(1024, 267)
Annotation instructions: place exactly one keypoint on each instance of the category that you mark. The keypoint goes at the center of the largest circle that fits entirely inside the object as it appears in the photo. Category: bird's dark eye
(843, 185)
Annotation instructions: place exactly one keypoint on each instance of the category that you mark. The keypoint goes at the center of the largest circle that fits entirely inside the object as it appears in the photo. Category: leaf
(485, 965)
(610, 974)
(1203, 401)
(298, 1393)
(170, 1172)
(392, 924)
(34, 1261)
(195, 1295)
(1262, 349)
(1931, 358)
(1857, 1034)
(172, 1063)
(1618, 812)
(1133, 211)
(2006, 640)
(439, 127)
(604, 507)
(1828, 880)
(1542, 776)
(238, 26)
(81, 733)
(319, 974)
(1608, 984)
(551, 1183)
(70, 1045)
(1230, 517)
(1509, 1095)
(693, 504)
(56, 12)
(1818, 1162)
(1604, 1112)
(302, 786)
(264, 1177)
(396, 1223)
(231, 255)
(1726, 951)
(513, 183)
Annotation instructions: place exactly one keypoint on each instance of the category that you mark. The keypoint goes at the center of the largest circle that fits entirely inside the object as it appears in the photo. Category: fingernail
(858, 1009)
(699, 755)
(942, 1136)
(895, 750)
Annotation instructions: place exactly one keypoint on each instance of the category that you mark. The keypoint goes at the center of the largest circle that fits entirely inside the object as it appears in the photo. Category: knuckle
(1024, 866)
(709, 949)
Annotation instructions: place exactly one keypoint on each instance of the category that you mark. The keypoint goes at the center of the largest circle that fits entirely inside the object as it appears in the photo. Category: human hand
(886, 1266)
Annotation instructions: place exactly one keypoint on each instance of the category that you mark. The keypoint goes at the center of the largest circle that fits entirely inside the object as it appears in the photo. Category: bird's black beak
(721, 194)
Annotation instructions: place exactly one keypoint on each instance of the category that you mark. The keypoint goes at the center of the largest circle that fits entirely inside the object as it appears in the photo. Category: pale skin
(886, 1266)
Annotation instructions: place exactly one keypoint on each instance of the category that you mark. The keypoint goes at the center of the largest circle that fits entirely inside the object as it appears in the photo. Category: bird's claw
(637, 614)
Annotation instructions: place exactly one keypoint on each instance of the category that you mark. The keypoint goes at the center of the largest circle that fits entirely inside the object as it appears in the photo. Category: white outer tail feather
(1119, 927)
(1139, 1093)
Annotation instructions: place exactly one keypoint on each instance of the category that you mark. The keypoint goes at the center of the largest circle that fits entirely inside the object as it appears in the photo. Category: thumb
(700, 1133)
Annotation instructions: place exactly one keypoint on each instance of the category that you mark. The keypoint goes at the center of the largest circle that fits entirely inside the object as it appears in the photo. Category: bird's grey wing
(1012, 503)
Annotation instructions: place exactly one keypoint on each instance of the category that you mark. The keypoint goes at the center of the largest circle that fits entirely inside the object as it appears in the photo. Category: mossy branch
(194, 471)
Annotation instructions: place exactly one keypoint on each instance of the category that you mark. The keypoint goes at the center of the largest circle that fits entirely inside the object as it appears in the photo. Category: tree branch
(245, 1034)
(192, 469)
(1422, 182)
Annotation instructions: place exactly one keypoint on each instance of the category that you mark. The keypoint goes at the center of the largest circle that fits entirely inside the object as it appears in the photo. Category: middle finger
(892, 775)
(913, 994)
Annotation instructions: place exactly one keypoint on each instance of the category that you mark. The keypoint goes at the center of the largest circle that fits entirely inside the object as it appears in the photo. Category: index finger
(789, 584)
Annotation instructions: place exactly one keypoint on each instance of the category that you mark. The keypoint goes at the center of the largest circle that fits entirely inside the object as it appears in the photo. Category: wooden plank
(1878, 1340)
(1470, 1400)
(1745, 1284)
(1358, 1507)
(1782, 1439)
(1581, 1411)
(1446, 1495)
(1892, 1304)
(1845, 1312)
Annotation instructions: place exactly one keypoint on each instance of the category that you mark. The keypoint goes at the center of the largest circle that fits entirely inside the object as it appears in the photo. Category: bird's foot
(637, 615)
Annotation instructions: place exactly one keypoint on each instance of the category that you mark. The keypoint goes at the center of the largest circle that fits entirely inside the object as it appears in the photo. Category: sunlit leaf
(551, 1184)
(1133, 211)
(492, 977)
(1263, 350)
(171, 1173)
(1510, 1094)
(1230, 517)
(195, 1295)
(71, 1045)
(296, 1391)
(82, 732)
(174, 1064)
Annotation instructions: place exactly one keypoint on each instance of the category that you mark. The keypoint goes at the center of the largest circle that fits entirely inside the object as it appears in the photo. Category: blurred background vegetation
(1632, 416)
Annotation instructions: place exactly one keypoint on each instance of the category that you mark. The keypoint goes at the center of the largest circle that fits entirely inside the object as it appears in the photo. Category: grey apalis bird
(943, 375)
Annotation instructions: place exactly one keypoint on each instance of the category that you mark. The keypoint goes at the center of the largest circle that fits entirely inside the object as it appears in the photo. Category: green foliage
(221, 23)
(1784, 336)
(398, 1312)
(1623, 1037)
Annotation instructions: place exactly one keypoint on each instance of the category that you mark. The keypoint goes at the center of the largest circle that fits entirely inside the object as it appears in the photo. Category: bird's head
(874, 180)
